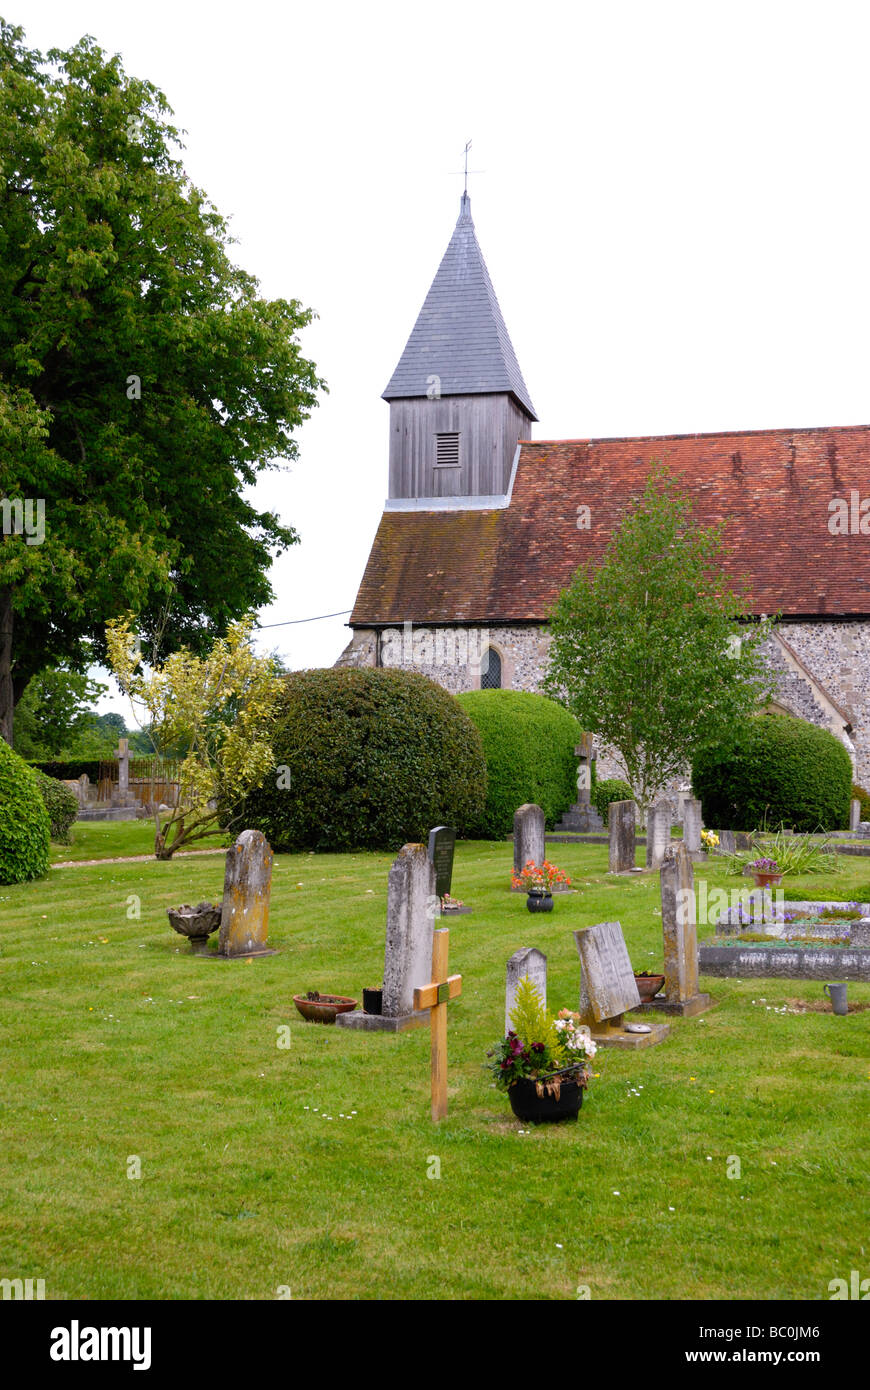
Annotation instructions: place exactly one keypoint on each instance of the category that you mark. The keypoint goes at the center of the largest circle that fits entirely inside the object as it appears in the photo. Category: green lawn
(108, 839)
(120, 1045)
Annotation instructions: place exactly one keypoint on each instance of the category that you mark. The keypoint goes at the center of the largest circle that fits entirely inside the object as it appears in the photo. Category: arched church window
(490, 670)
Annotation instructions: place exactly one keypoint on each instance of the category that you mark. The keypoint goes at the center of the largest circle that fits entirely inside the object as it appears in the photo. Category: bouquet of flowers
(539, 876)
(709, 839)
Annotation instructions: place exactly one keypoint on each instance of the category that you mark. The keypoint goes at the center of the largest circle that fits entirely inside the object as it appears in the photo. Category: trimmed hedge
(775, 769)
(24, 822)
(611, 789)
(375, 759)
(61, 804)
(529, 744)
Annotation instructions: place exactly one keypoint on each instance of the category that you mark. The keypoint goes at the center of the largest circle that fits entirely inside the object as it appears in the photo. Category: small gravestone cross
(608, 988)
(247, 889)
(434, 997)
(442, 843)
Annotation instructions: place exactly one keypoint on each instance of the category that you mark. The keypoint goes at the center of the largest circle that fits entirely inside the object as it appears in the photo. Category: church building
(483, 526)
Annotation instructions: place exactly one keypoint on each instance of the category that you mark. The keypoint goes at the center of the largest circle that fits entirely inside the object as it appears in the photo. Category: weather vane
(466, 170)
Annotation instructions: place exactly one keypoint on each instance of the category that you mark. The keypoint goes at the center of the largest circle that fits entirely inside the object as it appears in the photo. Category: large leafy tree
(647, 648)
(144, 384)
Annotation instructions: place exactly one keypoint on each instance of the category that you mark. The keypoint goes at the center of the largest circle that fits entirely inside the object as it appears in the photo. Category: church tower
(458, 402)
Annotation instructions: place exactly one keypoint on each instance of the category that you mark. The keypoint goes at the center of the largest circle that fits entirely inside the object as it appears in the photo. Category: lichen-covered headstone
(658, 833)
(247, 889)
(854, 814)
(608, 988)
(680, 935)
(621, 824)
(692, 825)
(529, 842)
(410, 926)
(527, 963)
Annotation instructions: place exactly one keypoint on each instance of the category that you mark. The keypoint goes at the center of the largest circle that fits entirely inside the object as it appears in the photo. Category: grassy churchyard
(316, 1168)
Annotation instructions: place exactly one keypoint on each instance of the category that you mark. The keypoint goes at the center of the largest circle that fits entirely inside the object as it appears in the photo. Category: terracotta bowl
(648, 986)
(325, 1009)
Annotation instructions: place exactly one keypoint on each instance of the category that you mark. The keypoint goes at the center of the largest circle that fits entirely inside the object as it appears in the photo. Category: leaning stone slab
(608, 988)
(247, 889)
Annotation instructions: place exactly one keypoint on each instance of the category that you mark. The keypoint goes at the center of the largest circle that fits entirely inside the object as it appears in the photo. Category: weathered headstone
(525, 963)
(727, 841)
(854, 813)
(411, 910)
(608, 988)
(442, 843)
(621, 825)
(658, 833)
(692, 825)
(529, 840)
(680, 936)
(247, 889)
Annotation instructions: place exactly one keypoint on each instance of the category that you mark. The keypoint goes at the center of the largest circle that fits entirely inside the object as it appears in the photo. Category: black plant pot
(527, 1105)
(539, 902)
(373, 1001)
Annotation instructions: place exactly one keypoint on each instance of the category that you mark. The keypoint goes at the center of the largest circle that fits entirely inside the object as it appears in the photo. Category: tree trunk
(7, 693)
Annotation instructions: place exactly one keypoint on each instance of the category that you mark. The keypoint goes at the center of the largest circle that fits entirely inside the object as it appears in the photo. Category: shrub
(60, 803)
(24, 822)
(70, 770)
(528, 741)
(859, 794)
(612, 789)
(373, 759)
(775, 770)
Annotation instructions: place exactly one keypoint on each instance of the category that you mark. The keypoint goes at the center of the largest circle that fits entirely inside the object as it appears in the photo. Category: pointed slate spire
(460, 335)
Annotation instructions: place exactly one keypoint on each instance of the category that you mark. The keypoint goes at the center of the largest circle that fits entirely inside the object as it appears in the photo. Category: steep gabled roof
(771, 488)
(460, 335)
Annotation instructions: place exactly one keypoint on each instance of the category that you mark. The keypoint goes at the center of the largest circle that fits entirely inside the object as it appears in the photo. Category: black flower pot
(527, 1105)
(538, 901)
(373, 1001)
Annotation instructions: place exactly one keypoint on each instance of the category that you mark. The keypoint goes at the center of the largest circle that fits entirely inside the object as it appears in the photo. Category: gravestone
(122, 796)
(411, 910)
(658, 833)
(680, 935)
(528, 836)
(692, 826)
(442, 843)
(582, 816)
(854, 813)
(727, 841)
(621, 826)
(608, 988)
(247, 889)
(527, 963)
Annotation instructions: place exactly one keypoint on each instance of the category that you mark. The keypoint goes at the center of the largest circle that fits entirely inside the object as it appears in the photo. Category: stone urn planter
(322, 1008)
(648, 986)
(557, 1096)
(196, 923)
(539, 900)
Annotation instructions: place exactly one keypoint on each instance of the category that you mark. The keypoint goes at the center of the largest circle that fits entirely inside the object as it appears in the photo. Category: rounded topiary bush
(60, 803)
(24, 822)
(529, 744)
(610, 789)
(366, 759)
(775, 770)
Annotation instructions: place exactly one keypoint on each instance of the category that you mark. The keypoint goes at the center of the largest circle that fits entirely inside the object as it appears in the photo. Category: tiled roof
(460, 335)
(770, 487)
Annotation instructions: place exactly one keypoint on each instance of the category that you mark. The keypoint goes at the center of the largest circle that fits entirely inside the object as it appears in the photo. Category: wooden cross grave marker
(434, 997)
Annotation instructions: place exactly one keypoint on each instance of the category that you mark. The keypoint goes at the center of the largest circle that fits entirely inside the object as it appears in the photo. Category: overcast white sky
(673, 205)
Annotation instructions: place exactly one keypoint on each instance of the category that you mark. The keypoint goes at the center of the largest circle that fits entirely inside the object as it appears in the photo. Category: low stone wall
(785, 963)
